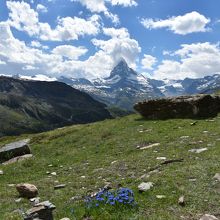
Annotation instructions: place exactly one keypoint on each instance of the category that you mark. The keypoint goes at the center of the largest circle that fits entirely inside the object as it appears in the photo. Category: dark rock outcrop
(198, 106)
(14, 149)
(41, 211)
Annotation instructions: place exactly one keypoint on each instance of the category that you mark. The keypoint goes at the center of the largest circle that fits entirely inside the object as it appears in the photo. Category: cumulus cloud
(116, 33)
(99, 6)
(195, 60)
(125, 3)
(24, 18)
(70, 52)
(63, 59)
(148, 62)
(185, 24)
(41, 8)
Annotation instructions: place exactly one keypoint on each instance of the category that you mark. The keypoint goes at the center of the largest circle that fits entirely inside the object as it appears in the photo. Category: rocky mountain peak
(122, 69)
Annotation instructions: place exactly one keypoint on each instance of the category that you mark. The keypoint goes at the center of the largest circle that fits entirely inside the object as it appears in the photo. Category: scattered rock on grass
(14, 149)
(143, 187)
(160, 196)
(53, 173)
(35, 201)
(65, 219)
(161, 158)
(217, 176)
(208, 217)
(148, 146)
(181, 201)
(18, 159)
(42, 211)
(61, 186)
(198, 151)
(1, 172)
(27, 190)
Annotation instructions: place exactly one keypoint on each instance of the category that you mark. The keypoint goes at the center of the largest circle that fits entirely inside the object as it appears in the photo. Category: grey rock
(197, 106)
(208, 217)
(35, 201)
(14, 149)
(217, 176)
(18, 159)
(61, 186)
(181, 201)
(1, 172)
(198, 151)
(65, 219)
(42, 211)
(143, 187)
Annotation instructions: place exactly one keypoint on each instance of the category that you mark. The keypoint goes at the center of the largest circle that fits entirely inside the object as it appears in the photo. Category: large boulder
(197, 106)
(14, 149)
(27, 190)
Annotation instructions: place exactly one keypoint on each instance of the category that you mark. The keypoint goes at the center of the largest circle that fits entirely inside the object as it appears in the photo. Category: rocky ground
(172, 166)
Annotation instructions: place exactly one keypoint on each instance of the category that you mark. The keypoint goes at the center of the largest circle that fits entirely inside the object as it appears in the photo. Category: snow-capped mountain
(122, 88)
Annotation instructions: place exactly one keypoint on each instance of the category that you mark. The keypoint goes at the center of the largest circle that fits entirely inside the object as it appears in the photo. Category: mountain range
(124, 86)
(33, 106)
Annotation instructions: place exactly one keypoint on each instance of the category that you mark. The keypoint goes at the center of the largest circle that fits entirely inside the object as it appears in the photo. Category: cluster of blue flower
(122, 196)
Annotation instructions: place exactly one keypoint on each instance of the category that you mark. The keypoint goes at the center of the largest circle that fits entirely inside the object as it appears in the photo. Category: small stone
(205, 132)
(61, 186)
(53, 173)
(27, 190)
(217, 176)
(143, 187)
(208, 217)
(35, 201)
(149, 146)
(48, 172)
(198, 151)
(161, 158)
(184, 137)
(160, 196)
(181, 201)
(193, 123)
(50, 165)
(11, 185)
(18, 200)
(1, 172)
(65, 219)
(113, 162)
(144, 176)
(83, 177)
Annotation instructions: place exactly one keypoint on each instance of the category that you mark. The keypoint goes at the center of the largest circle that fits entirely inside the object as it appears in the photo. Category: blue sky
(87, 38)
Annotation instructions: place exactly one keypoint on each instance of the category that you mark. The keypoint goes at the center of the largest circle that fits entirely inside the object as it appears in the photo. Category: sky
(161, 39)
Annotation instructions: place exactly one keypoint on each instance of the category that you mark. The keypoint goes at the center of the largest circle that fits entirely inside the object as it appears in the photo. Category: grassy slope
(89, 150)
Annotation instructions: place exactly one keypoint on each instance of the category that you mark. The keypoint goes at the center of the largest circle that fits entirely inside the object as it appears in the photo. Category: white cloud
(70, 52)
(41, 8)
(119, 47)
(185, 24)
(99, 6)
(196, 60)
(23, 18)
(32, 60)
(125, 3)
(116, 33)
(148, 62)
(22, 58)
